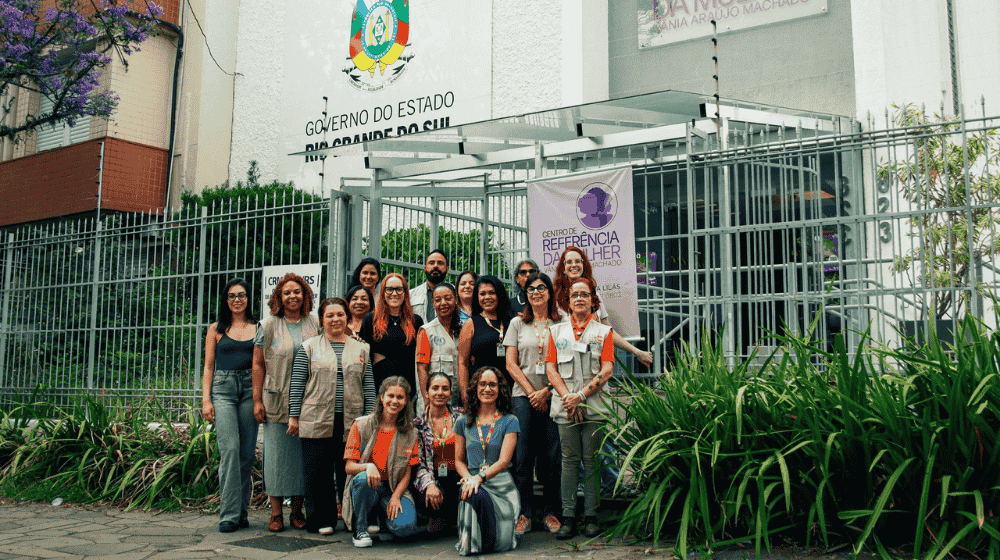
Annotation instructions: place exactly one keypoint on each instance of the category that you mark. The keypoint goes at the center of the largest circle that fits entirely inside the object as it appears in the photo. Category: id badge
(501, 351)
(540, 369)
(442, 469)
(579, 347)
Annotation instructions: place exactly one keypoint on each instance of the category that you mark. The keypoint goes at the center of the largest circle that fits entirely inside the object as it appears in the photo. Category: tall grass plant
(877, 448)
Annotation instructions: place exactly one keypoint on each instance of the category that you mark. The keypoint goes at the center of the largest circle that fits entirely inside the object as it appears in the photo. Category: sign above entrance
(363, 70)
(663, 22)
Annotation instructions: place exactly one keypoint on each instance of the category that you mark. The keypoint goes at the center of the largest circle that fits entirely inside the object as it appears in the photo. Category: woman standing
(278, 339)
(226, 401)
(367, 274)
(437, 477)
(579, 362)
(481, 340)
(484, 444)
(359, 303)
(526, 341)
(331, 387)
(391, 331)
(381, 451)
(437, 347)
(573, 265)
(466, 286)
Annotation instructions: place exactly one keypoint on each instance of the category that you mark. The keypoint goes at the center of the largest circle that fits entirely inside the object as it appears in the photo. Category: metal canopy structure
(692, 156)
(575, 138)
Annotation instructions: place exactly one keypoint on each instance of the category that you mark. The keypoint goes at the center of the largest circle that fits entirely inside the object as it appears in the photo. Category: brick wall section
(171, 8)
(63, 181)
(135, 176)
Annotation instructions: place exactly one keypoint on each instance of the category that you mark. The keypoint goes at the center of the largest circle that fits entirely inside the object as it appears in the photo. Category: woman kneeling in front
(485, 439)
(381, 451)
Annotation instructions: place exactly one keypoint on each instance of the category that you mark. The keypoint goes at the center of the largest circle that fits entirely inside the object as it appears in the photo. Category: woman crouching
(485, 439)
(381, 452)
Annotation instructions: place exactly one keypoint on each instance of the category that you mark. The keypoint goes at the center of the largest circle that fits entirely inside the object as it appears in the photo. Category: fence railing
(893, 227)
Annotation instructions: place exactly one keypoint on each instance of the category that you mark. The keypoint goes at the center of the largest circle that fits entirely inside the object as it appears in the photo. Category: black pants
(448, 510)
(324, 464)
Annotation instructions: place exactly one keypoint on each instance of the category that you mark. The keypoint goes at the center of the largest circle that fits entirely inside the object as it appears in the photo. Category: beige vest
(319, 398)
(402, 446)
(579, 368)
(278, 354)
(444, 351)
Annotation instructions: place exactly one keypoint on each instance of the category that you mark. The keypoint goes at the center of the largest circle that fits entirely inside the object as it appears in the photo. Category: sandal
(297, 520)
(277, 523)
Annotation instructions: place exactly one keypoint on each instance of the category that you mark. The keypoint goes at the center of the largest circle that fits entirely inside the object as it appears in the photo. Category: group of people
(444, 398)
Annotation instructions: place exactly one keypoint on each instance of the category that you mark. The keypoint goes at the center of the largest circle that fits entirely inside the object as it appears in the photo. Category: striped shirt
(300, 376)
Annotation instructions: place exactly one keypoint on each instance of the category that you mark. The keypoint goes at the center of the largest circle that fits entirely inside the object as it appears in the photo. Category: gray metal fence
(760, 229)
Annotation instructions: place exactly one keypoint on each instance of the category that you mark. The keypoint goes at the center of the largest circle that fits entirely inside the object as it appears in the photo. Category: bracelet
(550, 388)
(582, 396)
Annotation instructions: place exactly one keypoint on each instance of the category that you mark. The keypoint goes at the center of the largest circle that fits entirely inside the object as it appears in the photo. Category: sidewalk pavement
(40, 530)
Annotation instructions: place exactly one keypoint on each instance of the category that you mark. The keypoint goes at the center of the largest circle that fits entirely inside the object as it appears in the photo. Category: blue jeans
(538, 443)
(236, 434)
(365, 498)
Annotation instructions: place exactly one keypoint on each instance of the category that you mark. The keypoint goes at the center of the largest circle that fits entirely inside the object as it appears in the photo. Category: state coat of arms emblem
(379, 53)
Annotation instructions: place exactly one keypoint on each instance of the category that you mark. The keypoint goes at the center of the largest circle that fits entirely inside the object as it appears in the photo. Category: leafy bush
(108, 452)
(882, 448)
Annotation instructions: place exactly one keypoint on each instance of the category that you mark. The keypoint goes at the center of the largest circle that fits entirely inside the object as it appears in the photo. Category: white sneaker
(326, 531)
(361, 539)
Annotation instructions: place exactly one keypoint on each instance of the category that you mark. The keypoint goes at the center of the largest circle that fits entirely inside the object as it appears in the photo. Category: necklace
(490, 324)
(540, 338)
(395, 320)
(578, 328)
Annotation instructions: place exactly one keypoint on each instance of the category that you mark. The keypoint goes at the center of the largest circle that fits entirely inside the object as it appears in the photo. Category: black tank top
(484, 347)
(233, 354)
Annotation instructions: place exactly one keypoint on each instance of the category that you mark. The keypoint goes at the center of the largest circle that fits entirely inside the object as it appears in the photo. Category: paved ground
(38, 530)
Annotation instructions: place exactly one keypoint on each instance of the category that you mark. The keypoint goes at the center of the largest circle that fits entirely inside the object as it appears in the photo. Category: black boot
(567, 530)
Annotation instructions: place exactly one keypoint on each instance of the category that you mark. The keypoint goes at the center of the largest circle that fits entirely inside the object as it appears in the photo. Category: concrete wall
(260, 62)
(805, 63)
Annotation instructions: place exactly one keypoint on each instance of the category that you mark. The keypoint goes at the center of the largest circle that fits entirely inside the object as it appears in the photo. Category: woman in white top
(526, 340)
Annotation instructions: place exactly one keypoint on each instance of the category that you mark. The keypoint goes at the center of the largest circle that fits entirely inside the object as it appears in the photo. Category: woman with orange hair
(278, 339)
(391, 331)
(574, 265)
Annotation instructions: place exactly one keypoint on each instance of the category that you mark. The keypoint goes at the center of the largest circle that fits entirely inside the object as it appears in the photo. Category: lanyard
(541, 340)
(486, 441)
(500, 330)
(439, 442)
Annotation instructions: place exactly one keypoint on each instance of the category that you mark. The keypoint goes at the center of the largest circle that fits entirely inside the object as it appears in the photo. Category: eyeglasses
(393, 289)
(488, 384)
(579, 295)
(533, 289)
(240, 296)
(527, 271)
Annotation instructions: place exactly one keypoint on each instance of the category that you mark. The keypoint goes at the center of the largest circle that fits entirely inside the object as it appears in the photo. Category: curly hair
(528, 315)
(380, 317)
(504, 403)
(307, 296)
(561, 281)
(404, 422)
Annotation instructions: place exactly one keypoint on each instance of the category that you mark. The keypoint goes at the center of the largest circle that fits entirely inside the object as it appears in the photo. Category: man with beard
(435, 268)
